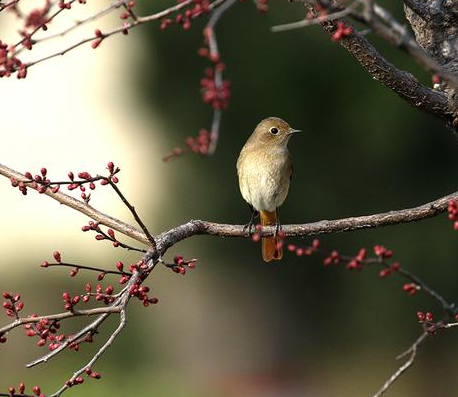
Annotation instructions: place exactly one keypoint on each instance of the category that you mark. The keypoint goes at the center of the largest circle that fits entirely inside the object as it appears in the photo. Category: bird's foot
(250, 225)
(250, 228)
(278, 228)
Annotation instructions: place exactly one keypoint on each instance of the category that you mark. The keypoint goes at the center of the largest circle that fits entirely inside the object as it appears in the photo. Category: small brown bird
(264, 168)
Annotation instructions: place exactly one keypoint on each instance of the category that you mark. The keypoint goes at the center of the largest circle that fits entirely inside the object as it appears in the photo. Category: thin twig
(96, 356)
(404, 367)
(218, 77)
(134, 214)
(95, 269)
(81, 22)
(59, 316)
(314, 21)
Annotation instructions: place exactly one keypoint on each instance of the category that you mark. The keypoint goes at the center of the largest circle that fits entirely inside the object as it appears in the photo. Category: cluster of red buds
(332, 259)
(46, 332)
(382, 252)
(79, 379)
(92, 374)
(180, 265)
(199, 8)
(355, 263)
(99, 38)
(352, 263)
(68, 5)
(411, 288)
(101, 235)
(141, 292)
(424, 317)
(128, 13)
(12, 304)
(21, 390)
(341, 31)
(198, 145)
(38, 17)
(453, 212)
(100, 294)
(213, 93)
(390, 269)
(41, 183)
(70, 302)
(427, 320)
(299, 251)
(9, 63)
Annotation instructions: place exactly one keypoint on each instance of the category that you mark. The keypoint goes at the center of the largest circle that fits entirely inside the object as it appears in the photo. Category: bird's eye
(274, 130)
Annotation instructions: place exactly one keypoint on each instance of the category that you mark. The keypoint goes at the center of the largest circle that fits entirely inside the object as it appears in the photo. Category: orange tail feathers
(269, 244)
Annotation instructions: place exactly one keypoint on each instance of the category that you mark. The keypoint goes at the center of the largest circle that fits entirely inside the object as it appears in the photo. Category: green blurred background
(235, 326)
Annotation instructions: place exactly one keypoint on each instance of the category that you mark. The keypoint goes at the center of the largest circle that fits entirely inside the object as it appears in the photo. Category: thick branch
(198, 227)
(401, 82)
(418, 8)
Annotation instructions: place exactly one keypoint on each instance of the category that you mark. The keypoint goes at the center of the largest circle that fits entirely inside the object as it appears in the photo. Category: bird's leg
(250, 224)
(277, 223)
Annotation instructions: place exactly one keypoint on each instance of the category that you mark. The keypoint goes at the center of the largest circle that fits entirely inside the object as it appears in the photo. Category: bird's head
(273, 131)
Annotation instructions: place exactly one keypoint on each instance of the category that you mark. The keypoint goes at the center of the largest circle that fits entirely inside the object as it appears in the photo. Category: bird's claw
(278, 228)
(250, 227)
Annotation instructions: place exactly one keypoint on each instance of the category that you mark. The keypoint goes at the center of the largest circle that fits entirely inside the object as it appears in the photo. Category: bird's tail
(270, 245)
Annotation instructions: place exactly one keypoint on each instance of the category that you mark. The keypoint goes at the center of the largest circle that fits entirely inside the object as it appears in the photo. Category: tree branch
(84, 208)
(401, 82)
(404, 367)
(200, 227)
(418, 8)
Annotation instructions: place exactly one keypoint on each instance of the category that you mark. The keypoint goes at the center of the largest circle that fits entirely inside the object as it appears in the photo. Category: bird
(264, 169)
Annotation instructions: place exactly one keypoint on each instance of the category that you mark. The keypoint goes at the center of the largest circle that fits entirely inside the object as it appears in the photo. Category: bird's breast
(264, 178)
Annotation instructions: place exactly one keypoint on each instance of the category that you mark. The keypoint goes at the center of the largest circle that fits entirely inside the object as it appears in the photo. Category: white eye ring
(273, 130)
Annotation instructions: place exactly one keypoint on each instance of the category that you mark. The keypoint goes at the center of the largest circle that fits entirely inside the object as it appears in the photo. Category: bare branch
(313, 21)
(200, 227)
(134, 214)
(59, 316)
(404, 367)
(417, 7)
(96, 356)
(218, 78)
(84, 208)
(401, 82)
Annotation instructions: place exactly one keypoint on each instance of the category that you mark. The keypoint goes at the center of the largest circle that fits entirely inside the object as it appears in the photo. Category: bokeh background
(235, 326)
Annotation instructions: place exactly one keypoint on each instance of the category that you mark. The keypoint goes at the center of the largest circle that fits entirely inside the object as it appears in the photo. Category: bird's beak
(293, 131)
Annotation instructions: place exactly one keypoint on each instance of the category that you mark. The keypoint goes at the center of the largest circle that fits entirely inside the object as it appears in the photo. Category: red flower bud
(56, 255)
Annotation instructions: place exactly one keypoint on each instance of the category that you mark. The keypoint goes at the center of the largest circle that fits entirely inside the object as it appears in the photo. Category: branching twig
(59, 316)
(134, 214)
(314, 21)
(404, 367)
(218, 77)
